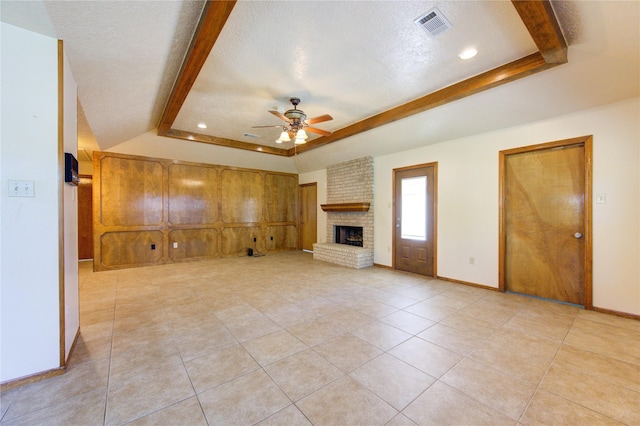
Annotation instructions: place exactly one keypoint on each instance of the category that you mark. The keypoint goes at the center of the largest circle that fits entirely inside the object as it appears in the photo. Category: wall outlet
(472, 261)
(153, 246)
(175, 245)
(272, 238)
(254, 239)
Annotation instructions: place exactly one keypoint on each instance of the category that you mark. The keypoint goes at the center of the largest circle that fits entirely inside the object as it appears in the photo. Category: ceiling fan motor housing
(295, 114)
(296, 120)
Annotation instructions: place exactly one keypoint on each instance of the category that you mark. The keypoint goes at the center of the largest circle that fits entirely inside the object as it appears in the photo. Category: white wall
(30, 340)
(320, 177)
(468, 199)
(71, 300)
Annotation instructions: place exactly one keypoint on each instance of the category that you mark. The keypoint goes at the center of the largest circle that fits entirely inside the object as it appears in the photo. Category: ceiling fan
(297, 123)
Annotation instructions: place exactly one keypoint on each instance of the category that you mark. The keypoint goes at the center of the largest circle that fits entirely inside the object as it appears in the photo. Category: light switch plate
(601, 198)
(21, 188)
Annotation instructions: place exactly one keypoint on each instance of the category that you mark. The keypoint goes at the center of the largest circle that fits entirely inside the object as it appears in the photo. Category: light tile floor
(286, 340)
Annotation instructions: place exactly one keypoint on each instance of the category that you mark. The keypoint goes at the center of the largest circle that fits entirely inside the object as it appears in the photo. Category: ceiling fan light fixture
(301, 134)
(284, 137)
(296, 121)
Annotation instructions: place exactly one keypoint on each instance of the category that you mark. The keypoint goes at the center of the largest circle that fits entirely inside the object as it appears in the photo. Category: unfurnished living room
(320, 212)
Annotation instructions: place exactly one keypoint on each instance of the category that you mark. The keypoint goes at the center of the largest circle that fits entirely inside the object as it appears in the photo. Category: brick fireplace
(349, 204)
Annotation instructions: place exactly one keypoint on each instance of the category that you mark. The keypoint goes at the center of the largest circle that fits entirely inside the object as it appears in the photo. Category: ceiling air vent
(250, 135)
(433, 22)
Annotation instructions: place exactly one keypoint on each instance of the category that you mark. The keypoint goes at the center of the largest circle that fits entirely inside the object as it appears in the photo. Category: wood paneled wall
(142, 206)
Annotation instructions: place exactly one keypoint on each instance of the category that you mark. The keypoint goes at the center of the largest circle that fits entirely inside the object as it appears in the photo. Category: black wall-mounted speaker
(71, 169)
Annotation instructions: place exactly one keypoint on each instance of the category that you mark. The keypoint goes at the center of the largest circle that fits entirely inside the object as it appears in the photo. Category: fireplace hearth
(349, 235)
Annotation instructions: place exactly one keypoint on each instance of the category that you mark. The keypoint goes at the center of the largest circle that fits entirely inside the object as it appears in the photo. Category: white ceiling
(350, 59)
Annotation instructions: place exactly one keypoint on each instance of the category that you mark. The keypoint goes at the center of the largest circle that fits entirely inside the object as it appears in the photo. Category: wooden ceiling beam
(485, 81)
(212, 21)
(541, 22)
(537, 15)
(229, 143)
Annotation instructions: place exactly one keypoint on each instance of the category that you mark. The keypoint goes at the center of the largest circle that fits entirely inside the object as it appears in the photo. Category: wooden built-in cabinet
(144, 207)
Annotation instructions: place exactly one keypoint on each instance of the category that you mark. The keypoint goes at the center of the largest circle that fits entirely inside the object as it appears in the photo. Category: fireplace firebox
(349, 235)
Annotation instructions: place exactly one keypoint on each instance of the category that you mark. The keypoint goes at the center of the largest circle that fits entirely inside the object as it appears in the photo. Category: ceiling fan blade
(319, 119)
(280, 116)
(318, 131)
(265, 127)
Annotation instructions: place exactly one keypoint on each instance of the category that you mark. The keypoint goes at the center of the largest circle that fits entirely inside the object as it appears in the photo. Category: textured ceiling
(127, 60)
(350, 59)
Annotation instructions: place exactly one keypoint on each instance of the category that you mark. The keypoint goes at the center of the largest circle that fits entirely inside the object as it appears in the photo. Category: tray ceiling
(387, 83)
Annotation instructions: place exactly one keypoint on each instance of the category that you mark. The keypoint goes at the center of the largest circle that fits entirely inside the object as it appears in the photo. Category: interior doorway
(545, 220)
(85, 217)
(414, 207)
(308, 216)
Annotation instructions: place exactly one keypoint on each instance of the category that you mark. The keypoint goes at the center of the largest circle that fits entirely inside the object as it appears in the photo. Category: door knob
(577, 235)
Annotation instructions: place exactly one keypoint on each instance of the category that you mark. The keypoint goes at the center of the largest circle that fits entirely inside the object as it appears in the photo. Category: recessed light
(468, 53)
(202, 125)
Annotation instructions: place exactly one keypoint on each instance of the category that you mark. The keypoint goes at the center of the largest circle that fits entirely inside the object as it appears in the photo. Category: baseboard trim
(73, 347)
(470, 284)
(10, 384)
(383, 266)
(616, 313)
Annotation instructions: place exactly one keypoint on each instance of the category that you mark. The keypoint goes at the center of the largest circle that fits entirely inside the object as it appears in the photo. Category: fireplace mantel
(346, 207)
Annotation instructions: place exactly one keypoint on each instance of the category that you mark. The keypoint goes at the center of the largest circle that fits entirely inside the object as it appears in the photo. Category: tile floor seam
(356, 288)
(468, 356)
(586, 407)
(113, 334)
(489, 408)
(382, 397)
(539, 383)
(128, 421)
(594, 409)
(20, 389)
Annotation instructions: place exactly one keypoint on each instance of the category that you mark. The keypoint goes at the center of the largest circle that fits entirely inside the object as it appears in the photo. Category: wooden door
(85, 218)
(414, 210)
(308, 215)
(546, 231)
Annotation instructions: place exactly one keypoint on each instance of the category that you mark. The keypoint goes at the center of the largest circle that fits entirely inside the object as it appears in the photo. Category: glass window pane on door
(414, 208)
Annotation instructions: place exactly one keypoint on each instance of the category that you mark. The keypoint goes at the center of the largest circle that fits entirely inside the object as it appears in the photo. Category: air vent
(250, 135)
(433, 22)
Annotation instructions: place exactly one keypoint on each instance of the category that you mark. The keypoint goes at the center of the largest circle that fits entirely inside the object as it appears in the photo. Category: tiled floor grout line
(355, 290)
(113, 329)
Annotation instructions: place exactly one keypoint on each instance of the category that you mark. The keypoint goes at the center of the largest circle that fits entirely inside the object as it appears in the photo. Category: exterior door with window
(414, 216)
